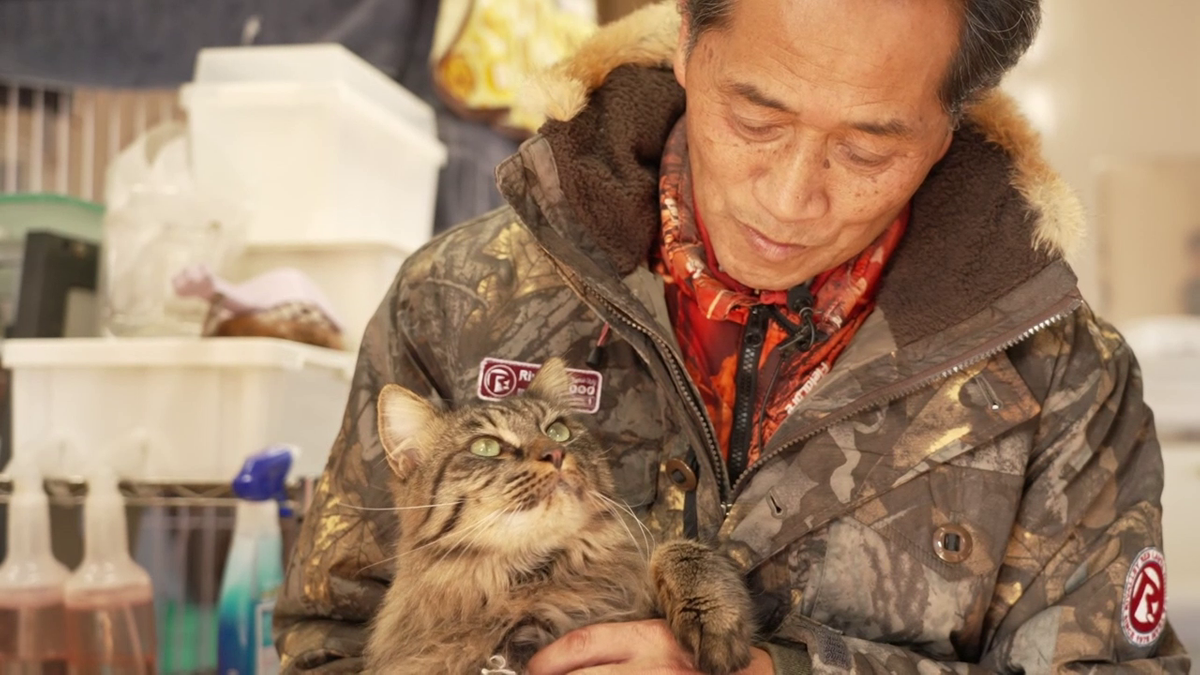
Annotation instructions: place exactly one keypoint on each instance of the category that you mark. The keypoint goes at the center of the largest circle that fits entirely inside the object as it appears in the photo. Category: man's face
(810, 125)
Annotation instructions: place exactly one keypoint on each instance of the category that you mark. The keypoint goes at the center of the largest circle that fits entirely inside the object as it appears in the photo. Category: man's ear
(402, 416)
(946, 143)
(682, 48)
(552, 383)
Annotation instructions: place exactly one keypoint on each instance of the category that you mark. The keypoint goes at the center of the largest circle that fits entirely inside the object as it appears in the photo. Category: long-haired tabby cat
(510, 537)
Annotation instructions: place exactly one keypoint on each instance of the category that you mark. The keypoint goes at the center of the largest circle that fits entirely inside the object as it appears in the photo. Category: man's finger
(633, 668)
(587, 647)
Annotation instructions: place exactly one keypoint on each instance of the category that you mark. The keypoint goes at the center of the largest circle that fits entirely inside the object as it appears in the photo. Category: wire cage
(59, 139)
(181, 534)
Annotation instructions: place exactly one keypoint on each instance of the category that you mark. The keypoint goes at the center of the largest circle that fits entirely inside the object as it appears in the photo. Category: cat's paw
(704, 600)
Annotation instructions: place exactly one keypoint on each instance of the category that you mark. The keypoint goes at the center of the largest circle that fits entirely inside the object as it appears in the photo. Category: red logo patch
(499, 379)
(1144, 606)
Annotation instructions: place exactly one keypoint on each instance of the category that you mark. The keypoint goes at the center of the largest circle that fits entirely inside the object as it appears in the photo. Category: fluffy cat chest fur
(452, 611)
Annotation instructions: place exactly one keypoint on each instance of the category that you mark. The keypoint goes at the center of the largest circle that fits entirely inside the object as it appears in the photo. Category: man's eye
(754, 130)
(865, 160)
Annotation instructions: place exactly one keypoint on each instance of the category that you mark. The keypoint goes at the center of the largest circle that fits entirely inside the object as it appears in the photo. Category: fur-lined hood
(990, 216)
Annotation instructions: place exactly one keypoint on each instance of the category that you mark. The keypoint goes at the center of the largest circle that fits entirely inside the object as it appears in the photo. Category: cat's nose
(552, 455)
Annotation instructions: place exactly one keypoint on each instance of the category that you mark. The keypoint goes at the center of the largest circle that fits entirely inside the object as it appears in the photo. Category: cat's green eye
(485, 447)
(558, 432)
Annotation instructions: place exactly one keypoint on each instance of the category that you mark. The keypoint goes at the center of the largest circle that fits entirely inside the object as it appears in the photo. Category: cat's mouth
(569, 484)
(557, 485)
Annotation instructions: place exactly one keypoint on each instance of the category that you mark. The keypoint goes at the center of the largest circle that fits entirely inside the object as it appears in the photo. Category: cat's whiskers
(628, 531)
(627, 509)
(645, 530)
(396, 508)
(647, 535)
(453, 540)
(478, 529)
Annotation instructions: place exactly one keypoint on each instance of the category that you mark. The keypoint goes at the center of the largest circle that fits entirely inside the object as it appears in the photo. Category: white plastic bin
(355, 277)
(313, 64)
(318, 160)
(174, 409)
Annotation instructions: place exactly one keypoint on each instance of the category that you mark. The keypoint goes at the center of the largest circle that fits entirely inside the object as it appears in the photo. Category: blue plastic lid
(264, 476)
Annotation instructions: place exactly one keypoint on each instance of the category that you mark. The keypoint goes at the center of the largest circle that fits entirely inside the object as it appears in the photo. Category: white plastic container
(312, 64)
(331, 156)
(355, 277)
(174, 409)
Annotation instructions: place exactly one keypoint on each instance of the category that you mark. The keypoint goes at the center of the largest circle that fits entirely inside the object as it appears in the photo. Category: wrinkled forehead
(858, 54)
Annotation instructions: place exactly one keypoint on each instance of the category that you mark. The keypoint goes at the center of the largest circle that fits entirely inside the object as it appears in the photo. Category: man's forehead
(882, 61)
(886, 125)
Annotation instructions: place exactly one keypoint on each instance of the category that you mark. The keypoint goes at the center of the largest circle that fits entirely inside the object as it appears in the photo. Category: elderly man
(818, 263)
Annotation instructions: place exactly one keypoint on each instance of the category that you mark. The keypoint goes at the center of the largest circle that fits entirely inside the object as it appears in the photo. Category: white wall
(1112, 77)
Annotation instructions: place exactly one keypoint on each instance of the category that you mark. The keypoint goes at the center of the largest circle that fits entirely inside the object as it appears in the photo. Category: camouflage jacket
(974, 487)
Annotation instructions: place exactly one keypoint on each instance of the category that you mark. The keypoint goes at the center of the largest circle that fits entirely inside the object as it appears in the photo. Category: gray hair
(993, 37)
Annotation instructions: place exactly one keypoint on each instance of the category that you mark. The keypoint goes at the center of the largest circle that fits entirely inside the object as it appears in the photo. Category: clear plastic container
(21, 213)
(109, 600)
(31, 584)
(70, 217)
(147, 241)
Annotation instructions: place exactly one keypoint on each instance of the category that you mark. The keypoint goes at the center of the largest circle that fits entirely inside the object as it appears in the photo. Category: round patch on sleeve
(1144, 605)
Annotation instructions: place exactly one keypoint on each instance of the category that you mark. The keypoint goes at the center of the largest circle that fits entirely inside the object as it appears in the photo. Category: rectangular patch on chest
(500, 378)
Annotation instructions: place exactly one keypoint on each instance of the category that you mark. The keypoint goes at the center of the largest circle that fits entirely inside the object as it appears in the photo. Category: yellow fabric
(499, 45)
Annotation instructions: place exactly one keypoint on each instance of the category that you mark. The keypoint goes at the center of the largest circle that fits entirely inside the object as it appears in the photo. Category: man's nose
(793, 189)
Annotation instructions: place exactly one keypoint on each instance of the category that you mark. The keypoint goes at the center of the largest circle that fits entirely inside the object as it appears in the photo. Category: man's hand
(642, 647)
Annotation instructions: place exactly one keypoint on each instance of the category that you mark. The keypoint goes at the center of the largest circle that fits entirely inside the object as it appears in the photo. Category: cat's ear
(552, 383)
(402, 415)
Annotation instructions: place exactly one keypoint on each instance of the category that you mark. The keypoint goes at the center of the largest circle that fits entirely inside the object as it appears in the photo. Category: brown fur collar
(991, 214)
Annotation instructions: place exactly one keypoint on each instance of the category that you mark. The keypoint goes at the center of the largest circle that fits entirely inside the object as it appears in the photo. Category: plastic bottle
(31, 583)
(109, 599)
(254, 568)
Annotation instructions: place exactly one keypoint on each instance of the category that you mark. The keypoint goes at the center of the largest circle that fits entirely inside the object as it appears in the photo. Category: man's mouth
(768, 249)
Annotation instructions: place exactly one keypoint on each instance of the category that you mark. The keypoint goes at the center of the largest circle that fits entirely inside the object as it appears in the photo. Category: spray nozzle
(104, 484)
(26, 478)
(29, 563)
(264, 476)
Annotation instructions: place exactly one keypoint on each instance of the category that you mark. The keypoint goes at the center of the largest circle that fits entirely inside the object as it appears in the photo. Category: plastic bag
(159, 223)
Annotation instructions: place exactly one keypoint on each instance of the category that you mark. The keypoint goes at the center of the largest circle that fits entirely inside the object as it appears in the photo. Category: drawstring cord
(801, 338)
(595, 359)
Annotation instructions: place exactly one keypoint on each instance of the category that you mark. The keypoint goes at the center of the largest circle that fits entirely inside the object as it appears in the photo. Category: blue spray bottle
(254, 568)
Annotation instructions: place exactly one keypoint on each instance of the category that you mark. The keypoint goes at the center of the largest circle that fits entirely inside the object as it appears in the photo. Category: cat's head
(516, 475)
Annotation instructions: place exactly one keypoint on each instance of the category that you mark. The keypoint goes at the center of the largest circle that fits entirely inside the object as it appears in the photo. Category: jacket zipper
(681, 381)
(746, 386)
(898, 390)
(684, 385)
